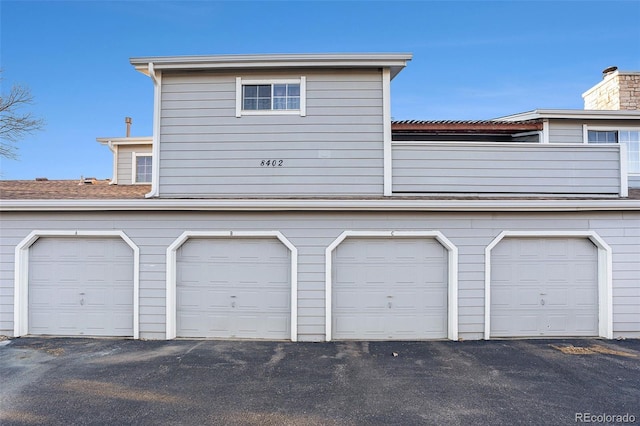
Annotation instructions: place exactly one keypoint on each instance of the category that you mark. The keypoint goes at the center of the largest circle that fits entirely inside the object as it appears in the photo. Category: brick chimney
(618, 90)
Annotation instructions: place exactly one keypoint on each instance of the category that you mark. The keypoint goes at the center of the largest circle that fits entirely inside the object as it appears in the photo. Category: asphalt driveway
(104, 381)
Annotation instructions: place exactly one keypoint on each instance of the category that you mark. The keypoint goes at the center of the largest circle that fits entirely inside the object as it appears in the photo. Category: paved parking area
(104, 381)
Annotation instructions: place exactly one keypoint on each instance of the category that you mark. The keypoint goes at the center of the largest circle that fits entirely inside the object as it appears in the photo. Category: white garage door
(389, 289)
(233, 288)
(544, 287)
(81, 287)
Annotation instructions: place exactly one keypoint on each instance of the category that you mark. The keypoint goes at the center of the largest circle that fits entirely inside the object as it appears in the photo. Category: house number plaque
(271, 163)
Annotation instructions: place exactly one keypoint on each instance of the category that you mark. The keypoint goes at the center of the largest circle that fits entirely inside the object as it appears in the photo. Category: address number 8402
(271, 163)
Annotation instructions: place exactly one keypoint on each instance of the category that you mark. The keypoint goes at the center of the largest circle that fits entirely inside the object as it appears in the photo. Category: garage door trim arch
(171, 312)
(452, 273)
(21, 275)
(605, 276)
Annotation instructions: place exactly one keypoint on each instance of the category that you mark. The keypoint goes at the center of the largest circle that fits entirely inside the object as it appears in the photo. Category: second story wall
(336, 148)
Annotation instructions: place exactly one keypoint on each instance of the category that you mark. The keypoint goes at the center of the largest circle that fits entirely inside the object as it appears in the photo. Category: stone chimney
(618, 90)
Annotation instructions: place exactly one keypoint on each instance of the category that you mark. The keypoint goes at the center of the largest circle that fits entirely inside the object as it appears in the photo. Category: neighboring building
(283, 203)
(618, 90)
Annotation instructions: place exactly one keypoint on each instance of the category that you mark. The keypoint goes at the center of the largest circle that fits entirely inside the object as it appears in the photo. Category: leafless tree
(15, 123)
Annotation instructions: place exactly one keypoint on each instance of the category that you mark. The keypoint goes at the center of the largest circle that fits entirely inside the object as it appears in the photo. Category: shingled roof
(466, 126)
(88, 189)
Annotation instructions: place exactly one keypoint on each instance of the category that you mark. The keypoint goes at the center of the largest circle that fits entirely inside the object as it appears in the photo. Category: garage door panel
(121, 298)
(556, 297)
(527, 297)
(585, 297)
(585, 323)
(556, 249)
(527, 272)
(502, 297)
(78, 286)
(233, 288)
(389, 289)
(558, 323)
(555, 290)
(586, 271)
(278, 300)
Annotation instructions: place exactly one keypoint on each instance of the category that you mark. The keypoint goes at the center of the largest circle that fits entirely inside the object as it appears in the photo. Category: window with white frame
(629, 137)
(142, 171)
(278, 96)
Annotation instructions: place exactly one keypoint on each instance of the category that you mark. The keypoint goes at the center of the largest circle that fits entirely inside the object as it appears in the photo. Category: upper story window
(265, 97)
(629, 137)
(271, 97)
(142, 171)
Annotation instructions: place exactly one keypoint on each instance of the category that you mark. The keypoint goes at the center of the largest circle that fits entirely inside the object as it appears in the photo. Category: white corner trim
(171, 278)
(156, 76)
(624, 173)
(303, 96)
(605, 275)
(114, 173)
(386, 126)
(134, 166)
(238, 97)
(21, 274)
(452, 308)
(585, 134)
(545, 131)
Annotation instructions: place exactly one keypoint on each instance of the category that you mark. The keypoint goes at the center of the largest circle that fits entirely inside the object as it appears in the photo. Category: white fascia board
(157, 204)
(578, 114)
(140, 140)
(394, 61)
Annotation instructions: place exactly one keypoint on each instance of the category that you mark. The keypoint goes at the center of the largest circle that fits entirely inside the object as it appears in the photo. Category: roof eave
(138, 140)
(579, 114)
(394, 61)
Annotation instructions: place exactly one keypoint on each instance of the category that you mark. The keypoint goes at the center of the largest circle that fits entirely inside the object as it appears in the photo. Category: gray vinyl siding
(565, 131)
(125, 164)
(312, 232)
(336, 149)
(506, 168)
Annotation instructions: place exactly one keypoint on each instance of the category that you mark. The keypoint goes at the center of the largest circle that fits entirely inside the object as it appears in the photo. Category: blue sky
(472, 60)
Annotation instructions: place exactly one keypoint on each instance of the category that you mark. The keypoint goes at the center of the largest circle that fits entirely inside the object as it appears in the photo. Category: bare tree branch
(15, 123)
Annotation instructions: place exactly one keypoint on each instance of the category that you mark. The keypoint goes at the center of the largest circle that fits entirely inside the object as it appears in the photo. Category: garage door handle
(81, 301)
(233, 304)
(389, 305)
(542, 302)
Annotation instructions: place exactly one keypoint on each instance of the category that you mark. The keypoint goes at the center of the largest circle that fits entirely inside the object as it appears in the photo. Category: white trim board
(605, 275)
(452, 272)
(171, 280)
(398, 204)
(156, 77)
(387, 138)
(21, 275)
